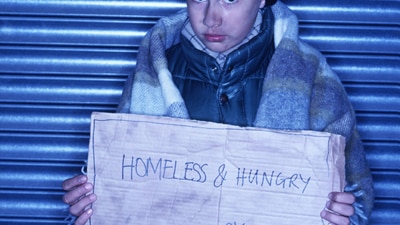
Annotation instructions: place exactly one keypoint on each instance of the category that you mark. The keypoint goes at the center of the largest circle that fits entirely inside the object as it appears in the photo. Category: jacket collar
(188, 33)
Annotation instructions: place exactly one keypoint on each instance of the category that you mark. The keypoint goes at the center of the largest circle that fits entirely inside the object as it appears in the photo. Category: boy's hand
(339, 208)
(78, 198)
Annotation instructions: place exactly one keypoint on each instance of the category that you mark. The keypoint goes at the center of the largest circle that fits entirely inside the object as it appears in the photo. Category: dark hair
(270, 2)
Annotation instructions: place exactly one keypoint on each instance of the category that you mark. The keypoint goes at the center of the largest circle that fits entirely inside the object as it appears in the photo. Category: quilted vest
(229, 94)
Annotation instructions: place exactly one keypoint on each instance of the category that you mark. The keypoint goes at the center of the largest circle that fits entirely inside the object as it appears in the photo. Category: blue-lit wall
(60, 60)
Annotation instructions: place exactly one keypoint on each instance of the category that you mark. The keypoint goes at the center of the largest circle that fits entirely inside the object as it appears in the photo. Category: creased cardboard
(151, 170)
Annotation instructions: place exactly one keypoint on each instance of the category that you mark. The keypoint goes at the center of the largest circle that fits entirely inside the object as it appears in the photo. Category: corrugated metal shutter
(60, 60)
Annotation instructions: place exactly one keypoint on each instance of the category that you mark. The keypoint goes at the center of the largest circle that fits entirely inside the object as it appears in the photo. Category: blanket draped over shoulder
(300, 92)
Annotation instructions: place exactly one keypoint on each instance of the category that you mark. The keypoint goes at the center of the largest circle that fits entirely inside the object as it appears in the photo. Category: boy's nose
(212, 17)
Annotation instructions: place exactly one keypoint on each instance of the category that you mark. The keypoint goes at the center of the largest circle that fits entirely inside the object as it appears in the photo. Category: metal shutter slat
(60, 60)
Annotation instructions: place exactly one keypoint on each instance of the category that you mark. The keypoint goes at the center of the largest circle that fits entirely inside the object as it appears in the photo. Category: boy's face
(222, 24)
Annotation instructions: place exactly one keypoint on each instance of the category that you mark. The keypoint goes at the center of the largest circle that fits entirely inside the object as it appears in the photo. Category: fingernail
(82, 179)
(87, 186)
(89, 211)
(328, 203)
(92, 197)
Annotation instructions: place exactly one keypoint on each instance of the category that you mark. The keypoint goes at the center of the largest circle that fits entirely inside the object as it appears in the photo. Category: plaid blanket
(300, 92)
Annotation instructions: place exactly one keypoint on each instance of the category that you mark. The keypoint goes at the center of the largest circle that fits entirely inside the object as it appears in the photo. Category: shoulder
(331, 109)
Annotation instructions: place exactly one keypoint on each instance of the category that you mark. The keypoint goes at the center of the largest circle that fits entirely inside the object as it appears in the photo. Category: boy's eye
(230, 1)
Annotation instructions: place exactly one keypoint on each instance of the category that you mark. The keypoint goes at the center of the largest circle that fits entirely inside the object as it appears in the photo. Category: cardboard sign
(154, 170)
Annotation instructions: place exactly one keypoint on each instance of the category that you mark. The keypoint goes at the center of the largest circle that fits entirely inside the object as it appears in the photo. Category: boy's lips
(214, 37)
